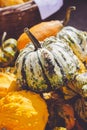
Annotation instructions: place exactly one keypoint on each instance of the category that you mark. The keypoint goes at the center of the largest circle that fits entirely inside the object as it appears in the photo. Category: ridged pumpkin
(76, 39)
(23, 110)
(46, 66)
(8, 51)
(44, 29)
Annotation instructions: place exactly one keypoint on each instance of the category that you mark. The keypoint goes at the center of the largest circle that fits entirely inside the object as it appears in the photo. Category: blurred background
(78, 17)
(27, 15)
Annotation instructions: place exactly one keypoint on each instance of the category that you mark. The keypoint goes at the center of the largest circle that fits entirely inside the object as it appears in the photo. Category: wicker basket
(14, 19)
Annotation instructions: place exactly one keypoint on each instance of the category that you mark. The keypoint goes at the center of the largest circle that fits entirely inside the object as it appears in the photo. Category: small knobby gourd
(47, 65)
(44, 29)
(76, 39)
(8, 51)
(23, 110)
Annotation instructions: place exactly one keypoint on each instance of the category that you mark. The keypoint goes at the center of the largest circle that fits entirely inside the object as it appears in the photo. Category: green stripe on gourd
(8, 51)
(76, 39)
(44, 67)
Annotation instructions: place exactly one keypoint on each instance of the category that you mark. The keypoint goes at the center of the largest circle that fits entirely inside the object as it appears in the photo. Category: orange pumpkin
(44, 29)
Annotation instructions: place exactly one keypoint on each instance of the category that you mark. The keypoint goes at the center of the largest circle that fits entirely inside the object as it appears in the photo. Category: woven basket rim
(13, 19)
(21, 7)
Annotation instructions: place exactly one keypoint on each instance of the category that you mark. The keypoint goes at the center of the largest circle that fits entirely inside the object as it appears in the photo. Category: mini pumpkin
(8, 52)
(44, 29)
(46, 66)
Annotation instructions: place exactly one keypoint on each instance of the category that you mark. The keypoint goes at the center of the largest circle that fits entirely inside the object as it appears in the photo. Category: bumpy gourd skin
(23, 111)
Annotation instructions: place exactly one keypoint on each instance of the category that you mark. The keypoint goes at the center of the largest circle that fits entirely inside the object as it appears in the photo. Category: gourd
(23, 110)
(7, 83)
(47, 65)
(44, 29)
(76, 39)
(8, 51)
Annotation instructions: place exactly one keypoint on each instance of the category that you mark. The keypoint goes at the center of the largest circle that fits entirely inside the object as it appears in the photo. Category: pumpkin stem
(67, 16)
(33, 39)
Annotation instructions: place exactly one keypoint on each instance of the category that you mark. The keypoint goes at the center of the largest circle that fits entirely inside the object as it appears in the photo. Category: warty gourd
(22, 110)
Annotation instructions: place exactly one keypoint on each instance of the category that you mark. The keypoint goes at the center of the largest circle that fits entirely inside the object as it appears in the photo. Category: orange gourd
(23, 110)
(7, 83)
(44, 29)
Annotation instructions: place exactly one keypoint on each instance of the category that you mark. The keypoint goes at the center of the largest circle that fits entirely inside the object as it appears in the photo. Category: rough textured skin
(23, 111)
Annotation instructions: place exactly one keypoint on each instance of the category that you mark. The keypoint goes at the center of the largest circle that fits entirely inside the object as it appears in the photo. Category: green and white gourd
(76, 39)
(8, 51)
(47, 65)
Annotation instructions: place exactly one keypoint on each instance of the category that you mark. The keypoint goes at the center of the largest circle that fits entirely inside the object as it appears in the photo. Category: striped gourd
(76, 39)
(8, 51)
(46, 66)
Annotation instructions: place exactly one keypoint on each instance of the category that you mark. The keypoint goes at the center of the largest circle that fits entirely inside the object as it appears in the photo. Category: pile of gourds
(51, 74)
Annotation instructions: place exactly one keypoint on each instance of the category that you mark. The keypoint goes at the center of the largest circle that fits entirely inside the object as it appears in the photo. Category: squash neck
(68, 14)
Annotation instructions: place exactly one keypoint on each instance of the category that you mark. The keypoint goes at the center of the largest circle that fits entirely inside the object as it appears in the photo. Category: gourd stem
(67, 16)
(32, 38)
